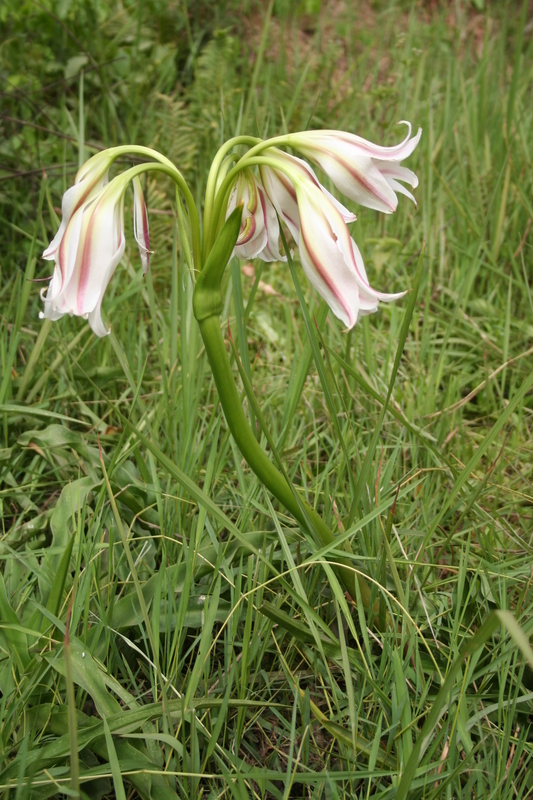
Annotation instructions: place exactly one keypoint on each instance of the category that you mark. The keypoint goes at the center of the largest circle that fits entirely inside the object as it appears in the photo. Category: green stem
(257, 459)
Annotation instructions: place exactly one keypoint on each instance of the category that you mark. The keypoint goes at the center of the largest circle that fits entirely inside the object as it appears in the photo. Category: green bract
(207, 301)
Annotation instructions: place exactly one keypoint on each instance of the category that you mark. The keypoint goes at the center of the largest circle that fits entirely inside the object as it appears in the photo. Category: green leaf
(10, 631)
(439, 705)
(53, 604)
(120, 793)
(70, 503)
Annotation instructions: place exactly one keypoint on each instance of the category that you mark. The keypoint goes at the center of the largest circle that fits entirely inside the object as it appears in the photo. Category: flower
(280, 186)
(363, 171)
(90, 243)
(332, 261)
(259, 234)
(89, 181)
(329, 256)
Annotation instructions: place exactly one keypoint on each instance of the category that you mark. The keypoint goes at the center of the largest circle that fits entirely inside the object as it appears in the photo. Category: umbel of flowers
(246, 199)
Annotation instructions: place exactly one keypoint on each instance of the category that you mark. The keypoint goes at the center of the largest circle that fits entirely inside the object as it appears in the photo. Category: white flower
(363, 171)
(330, 258)
(90, 243)
(259, 234)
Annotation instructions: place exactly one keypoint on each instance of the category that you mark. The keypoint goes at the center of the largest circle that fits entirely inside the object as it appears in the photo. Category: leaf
(444, 696)
(70, 502)
(53, 604)
(120, 794)
(126, 612)
(10, 630)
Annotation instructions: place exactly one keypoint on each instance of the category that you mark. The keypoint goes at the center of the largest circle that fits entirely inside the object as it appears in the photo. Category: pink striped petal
(327, 256)
(90, 249)
(140, 224)
(364, 172)
(282, 194)
(397, 152)
(259, 233)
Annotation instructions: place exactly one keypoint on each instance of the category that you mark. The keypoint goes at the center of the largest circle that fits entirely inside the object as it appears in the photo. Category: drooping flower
(89, 181)
(329, 256)
(280, 185)
(259, 234)
(89, 245)
(363, 171)
(332, 261)
(90, 241)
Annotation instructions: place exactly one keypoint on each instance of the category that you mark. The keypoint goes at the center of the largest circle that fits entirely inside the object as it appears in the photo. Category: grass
(166, 630)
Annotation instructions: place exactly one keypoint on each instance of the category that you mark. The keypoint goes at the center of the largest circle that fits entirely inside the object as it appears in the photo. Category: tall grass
(166, 630)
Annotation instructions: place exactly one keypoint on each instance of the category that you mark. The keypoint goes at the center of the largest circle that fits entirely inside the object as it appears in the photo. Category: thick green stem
(257, 459)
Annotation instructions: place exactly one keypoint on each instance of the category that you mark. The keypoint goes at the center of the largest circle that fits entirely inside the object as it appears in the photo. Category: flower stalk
(257, 459)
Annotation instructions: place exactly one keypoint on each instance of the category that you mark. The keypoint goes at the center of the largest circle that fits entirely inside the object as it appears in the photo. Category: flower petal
(364, 172)
(259, 232)
(73, 199)
(300, 168)
(357, 178)
(397, 152)
(321, 252)
(271, 251)
(282, 194)
(331, 259)
(101, 250)
(140, 224)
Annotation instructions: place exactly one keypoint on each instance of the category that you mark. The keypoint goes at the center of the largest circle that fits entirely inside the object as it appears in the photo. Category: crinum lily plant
(247, 196)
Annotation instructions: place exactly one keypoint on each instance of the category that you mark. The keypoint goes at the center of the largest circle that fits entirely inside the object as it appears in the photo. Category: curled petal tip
(365, 172)
(406, 122)
(417, 135)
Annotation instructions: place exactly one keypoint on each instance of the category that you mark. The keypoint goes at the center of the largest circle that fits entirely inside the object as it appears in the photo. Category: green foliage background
(165, 629)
